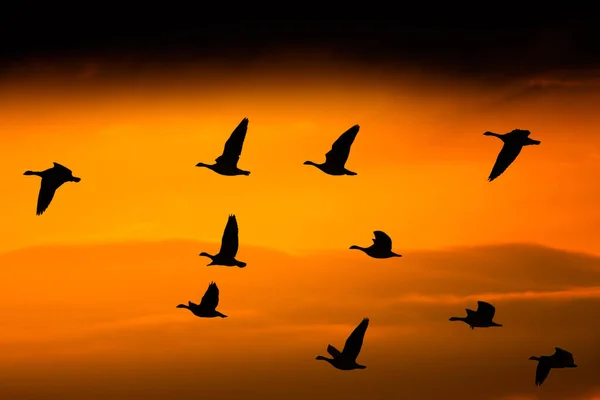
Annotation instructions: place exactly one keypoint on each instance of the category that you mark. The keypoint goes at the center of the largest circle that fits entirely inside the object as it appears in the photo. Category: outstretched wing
(507, 155)
(210, 300)
(563, 356)
(57, 165)
(46, 194)
(340, 150)
(519, 132)
(335, 353)
(355, 340)
(230, 241)
(486, 309)
(541, 372)
(233, 146)
(382, 240)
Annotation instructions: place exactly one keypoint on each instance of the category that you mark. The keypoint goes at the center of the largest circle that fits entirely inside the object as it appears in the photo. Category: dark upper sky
(469, 41)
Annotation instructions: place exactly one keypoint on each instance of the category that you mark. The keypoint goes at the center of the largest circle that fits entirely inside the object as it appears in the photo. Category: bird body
(52, 179)
(226, 163)
(513, 143)
(346, 359)
(482, 318)
(560, 359)
(229, 247)
(335, 159)
(208, 304)
(381, 247)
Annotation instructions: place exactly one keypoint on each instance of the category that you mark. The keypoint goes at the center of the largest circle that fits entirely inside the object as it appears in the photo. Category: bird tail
(240, 264)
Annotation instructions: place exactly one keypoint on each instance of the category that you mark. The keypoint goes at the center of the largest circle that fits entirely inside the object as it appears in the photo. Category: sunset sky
(89, 288)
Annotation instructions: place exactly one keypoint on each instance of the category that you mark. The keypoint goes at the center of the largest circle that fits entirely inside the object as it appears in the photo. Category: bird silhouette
(513, 143)
(482, 318)
(560, 359)
(208, 305)
(229, 247)
(52, 179)
(346, 360)
(381, 247)
(226, 163)
(335, 159)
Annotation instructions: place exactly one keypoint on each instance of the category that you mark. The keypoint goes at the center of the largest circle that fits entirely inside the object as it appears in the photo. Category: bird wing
(355, 340)
(233, 146)
(335, 353)
(230, 241)
(507, 155)
(382, 240)
(340, 150)
(46, 194)
(57, 165)
(563, 356)
(486, 309)
(541, 372)
(210, 300)
(523, 133)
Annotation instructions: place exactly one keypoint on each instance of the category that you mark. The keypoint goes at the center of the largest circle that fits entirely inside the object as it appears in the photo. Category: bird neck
(492, 134)
(312, 163)
(32, 173)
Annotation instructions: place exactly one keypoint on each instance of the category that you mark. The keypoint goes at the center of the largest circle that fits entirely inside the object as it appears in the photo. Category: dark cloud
(458, 42)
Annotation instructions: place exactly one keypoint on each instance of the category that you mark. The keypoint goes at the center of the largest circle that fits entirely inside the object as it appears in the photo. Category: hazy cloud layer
(101, 321)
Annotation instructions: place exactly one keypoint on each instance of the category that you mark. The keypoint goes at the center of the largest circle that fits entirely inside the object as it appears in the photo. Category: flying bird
(346, 360)
(513, 143)
(52, 179)
(482, 318)
(208, 305)
(560, 359)
(381, 247)
(229, 247)
(226, 163)
(335, 159)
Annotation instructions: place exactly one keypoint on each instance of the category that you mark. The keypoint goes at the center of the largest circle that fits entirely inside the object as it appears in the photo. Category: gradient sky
(89, 289)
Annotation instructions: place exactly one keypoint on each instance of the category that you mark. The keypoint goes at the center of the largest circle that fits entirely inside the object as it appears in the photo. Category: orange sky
(120, 249)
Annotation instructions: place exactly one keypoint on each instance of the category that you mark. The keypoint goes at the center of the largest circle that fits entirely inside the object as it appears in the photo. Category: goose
(560, 359)
(335, 159)
(52, 179)
(208, 304)
(381, 247)
(513, 143)
(482, 318)
(226, 163)
(346, 360)
(229, 247)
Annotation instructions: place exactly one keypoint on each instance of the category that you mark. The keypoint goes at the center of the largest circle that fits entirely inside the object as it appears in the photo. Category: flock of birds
(335, 164)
